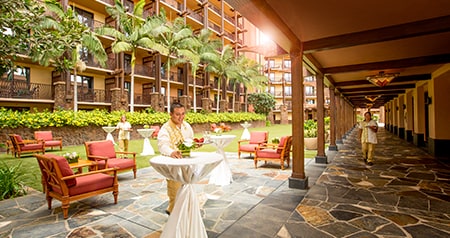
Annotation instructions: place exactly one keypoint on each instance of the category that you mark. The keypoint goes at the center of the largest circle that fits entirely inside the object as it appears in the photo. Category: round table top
(215, 137)
(145, 132)
(109, 129)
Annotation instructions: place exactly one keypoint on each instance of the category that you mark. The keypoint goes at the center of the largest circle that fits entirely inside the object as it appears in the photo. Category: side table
(147, 147)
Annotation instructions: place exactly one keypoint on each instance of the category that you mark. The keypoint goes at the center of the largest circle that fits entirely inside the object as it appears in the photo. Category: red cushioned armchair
(275, 152)
(25, 146)
(62, 184)
(256, 138)
(104, 154)
(49, 140)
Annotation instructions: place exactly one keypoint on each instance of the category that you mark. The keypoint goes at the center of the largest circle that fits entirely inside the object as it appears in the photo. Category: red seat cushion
(91, 183)
(257, 137)
(31, 147)
(102, 148)
(248, 147)
(64, 168)
(268, 153)
(120, 163)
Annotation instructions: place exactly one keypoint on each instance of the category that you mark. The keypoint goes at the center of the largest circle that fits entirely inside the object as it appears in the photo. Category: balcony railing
(22, 89)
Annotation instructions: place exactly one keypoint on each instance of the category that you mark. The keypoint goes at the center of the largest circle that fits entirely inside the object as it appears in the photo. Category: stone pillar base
(119, 102)
(223, 106)
(157, 101)
(298, 183)
(60, 95)
(333, 148)
(237, 107)
(321, 159)
(186, 102)
(206, 105)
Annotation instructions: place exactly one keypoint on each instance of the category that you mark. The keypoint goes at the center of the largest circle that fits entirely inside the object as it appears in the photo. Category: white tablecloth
(245, 134)
(221, 175)
(109, 130)
(147, 147)
(185, 219)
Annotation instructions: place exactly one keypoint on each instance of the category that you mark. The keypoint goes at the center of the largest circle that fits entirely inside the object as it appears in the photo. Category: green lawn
(32, 175)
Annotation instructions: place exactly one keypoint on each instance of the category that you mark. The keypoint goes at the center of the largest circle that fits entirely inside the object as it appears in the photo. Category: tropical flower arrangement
(71, 157)
(186, 146)
(218, 131)
(275, 140)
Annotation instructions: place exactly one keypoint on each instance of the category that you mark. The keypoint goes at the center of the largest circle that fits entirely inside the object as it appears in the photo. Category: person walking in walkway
(124, 128)
(171, 134)
(368, 129)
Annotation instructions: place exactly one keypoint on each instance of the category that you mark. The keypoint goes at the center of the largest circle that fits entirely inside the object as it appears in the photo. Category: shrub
(310, 128)
(11, 185)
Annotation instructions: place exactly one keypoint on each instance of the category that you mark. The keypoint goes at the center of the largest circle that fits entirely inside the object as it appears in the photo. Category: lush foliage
(263, 103)
(36, 120)
(10, 181)
(310, 128)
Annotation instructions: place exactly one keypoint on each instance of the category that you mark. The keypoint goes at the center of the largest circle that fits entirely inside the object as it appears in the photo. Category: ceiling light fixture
(382, 79)
(372, 98)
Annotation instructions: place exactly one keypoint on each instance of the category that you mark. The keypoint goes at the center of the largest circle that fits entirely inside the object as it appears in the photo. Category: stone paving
(404, 194)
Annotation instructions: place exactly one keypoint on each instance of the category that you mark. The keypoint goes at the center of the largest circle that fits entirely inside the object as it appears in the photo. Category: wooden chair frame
(54, 180)
(50, 143)
(18, 146)
(283, 156)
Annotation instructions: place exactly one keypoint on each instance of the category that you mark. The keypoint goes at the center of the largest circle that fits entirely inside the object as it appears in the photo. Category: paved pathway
(405, 194)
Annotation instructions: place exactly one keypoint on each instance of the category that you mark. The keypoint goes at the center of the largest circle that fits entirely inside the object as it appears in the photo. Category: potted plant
(310, 134)
(71, 157)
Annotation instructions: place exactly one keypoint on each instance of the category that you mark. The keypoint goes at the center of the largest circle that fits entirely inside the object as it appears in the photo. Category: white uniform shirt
(164, 143)
(368, 135)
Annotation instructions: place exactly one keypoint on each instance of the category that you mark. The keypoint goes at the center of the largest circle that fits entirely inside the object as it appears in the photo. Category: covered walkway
(404, 194)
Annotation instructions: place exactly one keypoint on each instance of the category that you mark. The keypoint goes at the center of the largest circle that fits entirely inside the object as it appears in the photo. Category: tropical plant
(225, 68)
(10, 181)
(310, 128)
(207, 51)
(250, 75)
(178, 40)
(17, 18)
(262, 102)
(59, 38)
(133, 31)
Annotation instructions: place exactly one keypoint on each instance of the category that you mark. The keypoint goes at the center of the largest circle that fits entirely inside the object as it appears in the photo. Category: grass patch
(32, 174)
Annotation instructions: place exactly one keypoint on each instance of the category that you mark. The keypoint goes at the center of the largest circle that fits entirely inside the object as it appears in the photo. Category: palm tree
(133, 32)
(225, 68)
(60, 40)
(178, 38)
(207, 50)
(250, 75)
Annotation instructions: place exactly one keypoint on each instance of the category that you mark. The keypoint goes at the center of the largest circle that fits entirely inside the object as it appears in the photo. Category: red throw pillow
(64, 168)
(257, 137)
(102, 148)
(18, 138)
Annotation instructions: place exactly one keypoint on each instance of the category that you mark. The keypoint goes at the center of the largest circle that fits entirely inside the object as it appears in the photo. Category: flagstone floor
(406, 193)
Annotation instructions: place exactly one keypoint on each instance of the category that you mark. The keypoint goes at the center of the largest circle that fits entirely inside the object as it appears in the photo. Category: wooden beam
(375, 88)
(391, 64)
(401, 31)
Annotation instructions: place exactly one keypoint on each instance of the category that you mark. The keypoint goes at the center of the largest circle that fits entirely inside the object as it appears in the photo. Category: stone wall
(78, 135)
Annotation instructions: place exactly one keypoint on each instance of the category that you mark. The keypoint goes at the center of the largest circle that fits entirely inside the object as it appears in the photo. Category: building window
(309, 91)
(310, 101)
(127, 85)
(163, 91)
(287, 63)
(19, 73)
(127, 63)
(180, 92)
(310, 78)
(287, 91)
(83, 81)
(271, 63)
(287, 77)
(272, 77)
(272, 90)
(85, 17)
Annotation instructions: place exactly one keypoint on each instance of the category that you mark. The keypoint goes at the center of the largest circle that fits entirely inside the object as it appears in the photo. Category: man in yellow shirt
(171, 134)
(368, 136)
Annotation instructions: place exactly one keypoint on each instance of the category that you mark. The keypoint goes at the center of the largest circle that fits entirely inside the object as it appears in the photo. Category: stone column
(284, 115)
(332, 146)
(223, 106)
(206, 105)
(184, 99)
(119, 101)
(60, 95)
(157, 101)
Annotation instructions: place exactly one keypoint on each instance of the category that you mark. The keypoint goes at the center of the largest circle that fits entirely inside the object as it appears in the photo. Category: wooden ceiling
(347, 41)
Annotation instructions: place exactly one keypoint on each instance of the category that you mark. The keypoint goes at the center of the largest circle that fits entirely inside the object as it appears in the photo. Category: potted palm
(310, 134)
